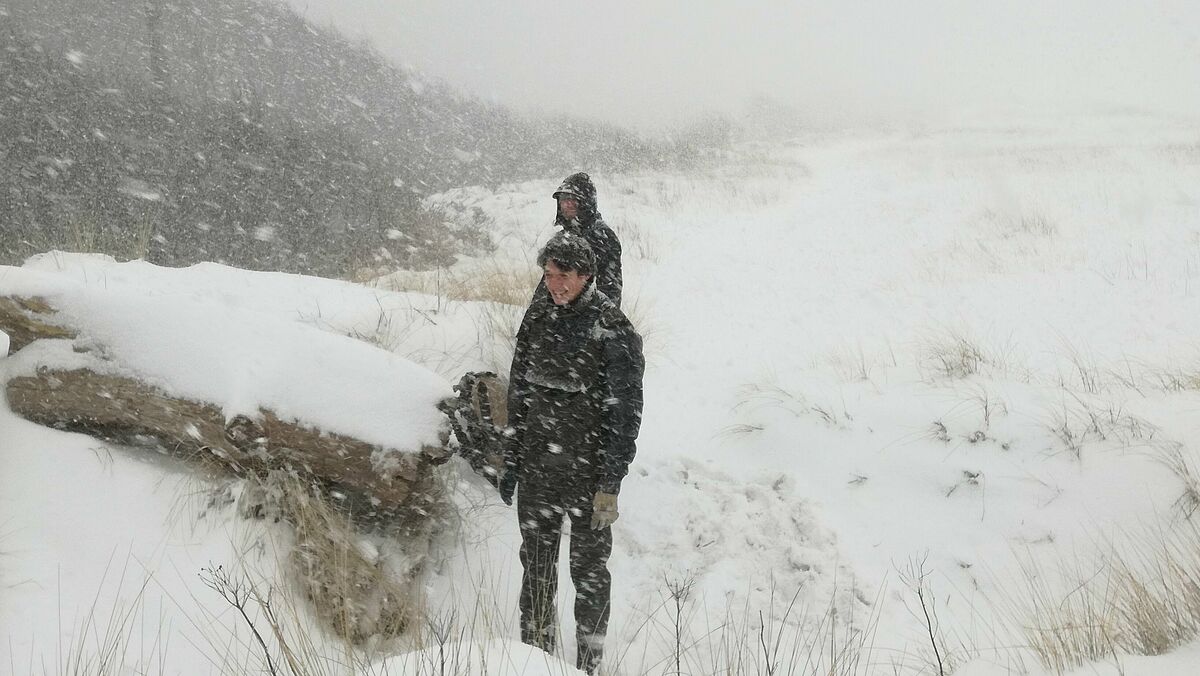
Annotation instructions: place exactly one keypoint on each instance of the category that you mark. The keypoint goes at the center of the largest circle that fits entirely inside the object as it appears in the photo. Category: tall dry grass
(1139, 595)
(342, 574)
(501, 289)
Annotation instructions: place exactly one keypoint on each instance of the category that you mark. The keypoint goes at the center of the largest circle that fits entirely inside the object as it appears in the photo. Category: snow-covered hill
(885, 368)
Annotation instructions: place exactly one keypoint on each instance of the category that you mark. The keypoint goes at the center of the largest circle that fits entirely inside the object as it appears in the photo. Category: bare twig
(236, 593)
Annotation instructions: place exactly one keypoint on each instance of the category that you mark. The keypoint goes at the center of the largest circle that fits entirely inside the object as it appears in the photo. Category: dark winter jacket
(575, 393)
(599, 236)
(607, 248)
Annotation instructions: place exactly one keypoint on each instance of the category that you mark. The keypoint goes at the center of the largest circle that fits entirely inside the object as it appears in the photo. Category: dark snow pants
(541, 508)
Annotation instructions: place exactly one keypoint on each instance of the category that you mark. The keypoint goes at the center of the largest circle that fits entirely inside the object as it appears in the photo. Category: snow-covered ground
(879, 363)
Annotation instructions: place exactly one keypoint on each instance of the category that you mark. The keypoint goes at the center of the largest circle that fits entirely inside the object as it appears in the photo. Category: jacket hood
(579, 186)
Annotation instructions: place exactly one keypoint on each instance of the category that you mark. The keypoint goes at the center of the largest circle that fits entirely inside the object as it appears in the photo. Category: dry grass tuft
(496, 334)
(1081, 421)
(637, 243)
(1176, 380)
(786, 637)
(504, 288)
(341, 574)
(392, 328)
(1086, 372)
(490, 280)
(852, 363)
(495, 285)
(955, 354)
(1141, 597)
(758, 396)
(1176, 458)
(365, 587)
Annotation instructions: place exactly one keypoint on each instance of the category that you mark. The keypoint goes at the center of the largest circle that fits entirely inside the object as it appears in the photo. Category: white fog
(656, 63)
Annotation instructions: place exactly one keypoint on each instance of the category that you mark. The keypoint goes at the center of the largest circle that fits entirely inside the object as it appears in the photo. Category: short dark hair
(569, 252)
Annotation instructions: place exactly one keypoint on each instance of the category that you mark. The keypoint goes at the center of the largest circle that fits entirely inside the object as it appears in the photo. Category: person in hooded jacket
(578, 213)
(575, 408)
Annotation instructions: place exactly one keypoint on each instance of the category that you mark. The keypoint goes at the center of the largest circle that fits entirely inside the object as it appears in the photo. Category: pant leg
(541, 528)
(590, 550)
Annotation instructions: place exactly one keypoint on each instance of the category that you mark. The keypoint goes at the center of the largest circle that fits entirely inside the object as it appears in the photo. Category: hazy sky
(653, 63)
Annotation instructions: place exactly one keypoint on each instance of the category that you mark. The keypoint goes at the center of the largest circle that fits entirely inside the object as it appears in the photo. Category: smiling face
(564, 285)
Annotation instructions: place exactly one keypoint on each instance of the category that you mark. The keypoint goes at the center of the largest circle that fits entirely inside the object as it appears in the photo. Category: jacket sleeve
(518, 385)
(608, 278)
(624, 366)
(606, 246)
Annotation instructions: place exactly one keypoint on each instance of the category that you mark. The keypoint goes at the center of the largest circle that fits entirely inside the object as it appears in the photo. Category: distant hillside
(235, 131)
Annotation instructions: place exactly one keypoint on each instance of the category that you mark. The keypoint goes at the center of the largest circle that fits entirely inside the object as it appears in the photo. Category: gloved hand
(604, 510)
(508, 485)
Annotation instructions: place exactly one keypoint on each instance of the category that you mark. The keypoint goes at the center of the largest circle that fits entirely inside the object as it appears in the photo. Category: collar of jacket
(577, 224)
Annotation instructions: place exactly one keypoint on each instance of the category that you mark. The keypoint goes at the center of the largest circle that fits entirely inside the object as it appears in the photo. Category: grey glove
(604, 510)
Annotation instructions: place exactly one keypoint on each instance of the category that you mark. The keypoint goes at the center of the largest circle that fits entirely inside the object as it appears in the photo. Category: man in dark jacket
(577, 213)
(575, 407)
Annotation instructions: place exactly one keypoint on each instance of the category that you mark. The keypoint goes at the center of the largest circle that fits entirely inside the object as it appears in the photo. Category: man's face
(568, 207)
(564, 286)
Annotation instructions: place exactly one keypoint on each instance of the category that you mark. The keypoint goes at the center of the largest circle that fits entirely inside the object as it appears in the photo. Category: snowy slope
(873, 356)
